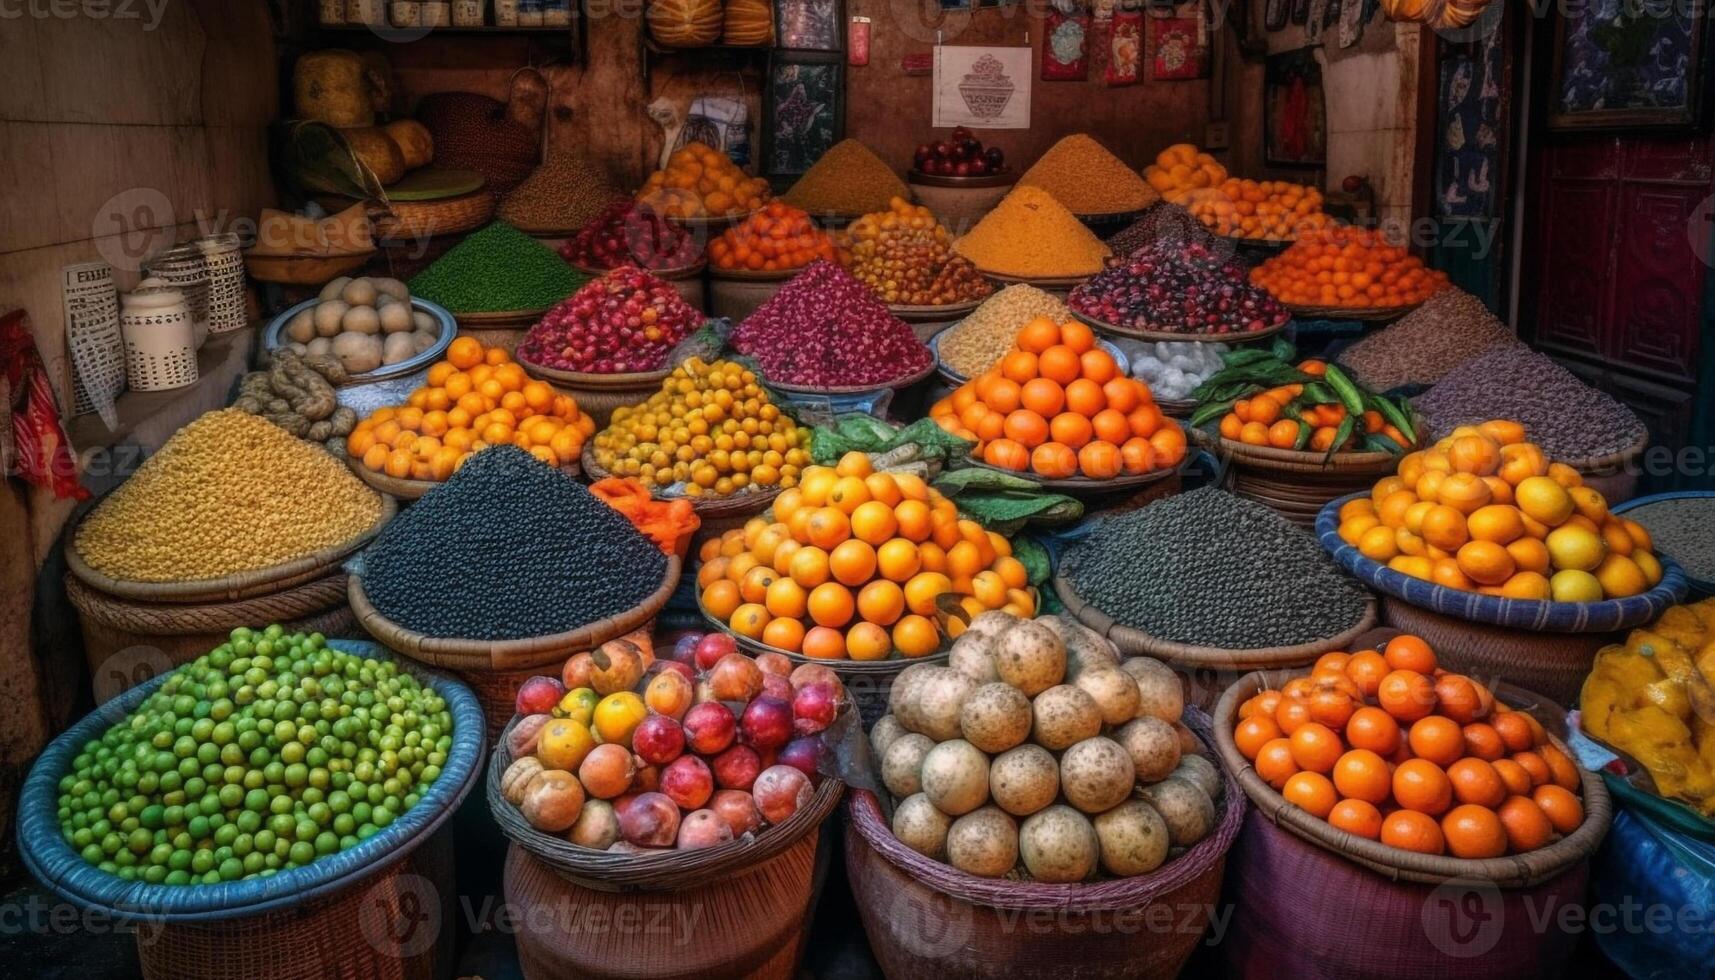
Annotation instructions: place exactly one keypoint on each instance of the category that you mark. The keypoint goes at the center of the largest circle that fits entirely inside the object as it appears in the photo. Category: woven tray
(241, 585)
(895, 384)
(671, 275)
(1136, 642)
(645, 381)
(534, 651)
(1608, 615)
(500, 318)
(914, 313)
(1514, 871)
(1346, 464)
(1049, 283)
(406, 221)
(665, 870)
(57, 865)
(1006, 178)
(304, 270)
(1367, 313)
(1200, 338)
(744, 504)
(753, 275)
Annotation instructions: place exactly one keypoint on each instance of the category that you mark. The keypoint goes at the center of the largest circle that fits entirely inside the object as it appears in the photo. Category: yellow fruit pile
(1485, 511)
(851, 565)
(1273, 210)
(711, 427)
(701, 182)
(476, 398)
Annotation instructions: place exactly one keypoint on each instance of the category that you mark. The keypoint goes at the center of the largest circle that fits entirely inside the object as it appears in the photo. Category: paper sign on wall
(982, 87)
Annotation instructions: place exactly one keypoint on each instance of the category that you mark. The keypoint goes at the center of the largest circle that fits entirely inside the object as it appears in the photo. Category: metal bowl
(416, 362)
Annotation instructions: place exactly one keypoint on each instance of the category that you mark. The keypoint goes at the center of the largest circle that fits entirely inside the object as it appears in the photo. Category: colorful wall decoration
(1614, 69)
(1295, 111)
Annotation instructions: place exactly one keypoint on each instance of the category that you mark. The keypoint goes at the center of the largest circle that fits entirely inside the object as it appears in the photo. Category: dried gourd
(334, 87)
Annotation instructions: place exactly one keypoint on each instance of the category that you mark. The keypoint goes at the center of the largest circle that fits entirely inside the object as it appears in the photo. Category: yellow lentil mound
(230, 492)
(1032, 236)
(978, 341)
(848, 180)
(1085, 177)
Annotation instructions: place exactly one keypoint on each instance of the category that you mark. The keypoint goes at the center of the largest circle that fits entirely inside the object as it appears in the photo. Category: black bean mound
(506, 548)
(1210, 569)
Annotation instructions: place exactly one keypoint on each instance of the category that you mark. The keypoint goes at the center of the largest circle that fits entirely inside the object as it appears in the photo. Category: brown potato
(1096, 775)
(983, 842)
(1064, 715)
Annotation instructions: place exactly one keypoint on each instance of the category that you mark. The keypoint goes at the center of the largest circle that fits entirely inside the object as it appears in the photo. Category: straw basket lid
(1513, 871)
(1136, 642)
(1006, 893)
(1606, 616)
(457, 653)
(56, 864)
(239, 585)
(665, 870)
(745, 503)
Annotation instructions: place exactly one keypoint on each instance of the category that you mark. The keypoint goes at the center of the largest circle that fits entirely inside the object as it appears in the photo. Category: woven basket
(241, 585)
(361, 913)
(1367, 314)
(928, 919)
(304, 270)
(1295, 484)
(1174, 337)
(1554, 664)
(1512, 871)
(753, 925)
(1606, 616)
(716, 513)
(1614, 475)
(507, 655)
(599, 394)
(406, 489)
(174, 634)
(417, 220)
(735, 297)
(1700, 588)
(1208, 670)
(658, 871)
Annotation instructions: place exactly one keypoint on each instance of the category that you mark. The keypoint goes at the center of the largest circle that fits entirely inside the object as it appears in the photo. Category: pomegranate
(626, 233)
(766, 724)
(814, 707)
(624, 321)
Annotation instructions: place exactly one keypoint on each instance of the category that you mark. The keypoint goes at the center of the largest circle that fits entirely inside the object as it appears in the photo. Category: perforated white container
(160, 338)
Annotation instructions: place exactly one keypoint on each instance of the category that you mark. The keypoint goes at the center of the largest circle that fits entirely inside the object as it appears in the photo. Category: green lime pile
(269, 752)
(498, 269)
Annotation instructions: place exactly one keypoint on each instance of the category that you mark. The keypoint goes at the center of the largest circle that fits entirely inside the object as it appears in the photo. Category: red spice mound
(621, 322)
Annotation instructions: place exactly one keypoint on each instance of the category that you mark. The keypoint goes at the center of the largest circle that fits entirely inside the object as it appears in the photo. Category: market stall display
(476, 398)
(1059, 407)
(1030, 236)
(1247, 210)
(906, 258)
(854, 565)
(980, 340)
(623, 322)
(701, 185)
(778, 238)
(826, 332)
(1088, 180)
(1681, 526)
(559, 197)
(1449, 329)
(497, 276)
(371, 325)
(1342, 271)
(961, 154)
(1171, 290)
(846, 181)
(627, 233)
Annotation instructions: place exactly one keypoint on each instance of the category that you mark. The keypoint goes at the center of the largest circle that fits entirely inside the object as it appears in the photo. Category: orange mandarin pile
(1273, 210)
(701, 182)
(1386, 745)
(1348, 267)
(779, 236)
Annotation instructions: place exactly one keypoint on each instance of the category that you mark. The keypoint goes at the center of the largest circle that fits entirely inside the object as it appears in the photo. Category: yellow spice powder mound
(1032, 236)
(230, 492)
(1087, 179)
(849, 179)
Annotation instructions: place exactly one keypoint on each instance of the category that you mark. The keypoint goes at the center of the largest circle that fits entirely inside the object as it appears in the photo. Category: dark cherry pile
(1177, 287)
(627, 233)
(961, 156)
(824, 329)
(621, 322)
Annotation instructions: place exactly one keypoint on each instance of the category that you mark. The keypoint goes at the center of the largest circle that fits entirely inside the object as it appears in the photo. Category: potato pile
(1040, 721)
(365, 322)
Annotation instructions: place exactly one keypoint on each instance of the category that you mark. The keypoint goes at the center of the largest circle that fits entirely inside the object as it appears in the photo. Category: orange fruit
(849, 493)
(1373, 729)
(874, 522)
(1535, 766)
(1485, 562)
(1406, 694)
(1363, 775)
(1263, 704)
(1560, 767)
(914, 521)
(784, 632)
(1366, 669)
(1358, 817)
(1420, 785)
(916, 636)
(1019, 366)
(1044, 397)
(1038, 335)
(828, 526)
(1315, 747)
(868, 641)
(1483, 742)
(1407, 652)
(754, 587)
(809, 566)
(722, 599)
(1498, 523)
(1312, 792)
(1070, 428)
(1527, 827)
(830, 604)
(465, 353)
(1253, 733)
(1292, 715)
(1059, 364)
(824, 643)
(922, 590)
(897, 560)
(1413, 831)
(1475, 781)
(786, 598)
(1274, 762)
(1515, 777)
(1474, 831)
(1437, 739)
(749, 620)
(852, 562)
(1514, 730)
(1456, 697)
(881, 602)
(1078, 336)
(1333, 706)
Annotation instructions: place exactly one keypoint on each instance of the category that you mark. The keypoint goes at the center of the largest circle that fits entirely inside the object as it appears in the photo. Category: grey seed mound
(1211, 569)
(1683, 528)
(1158, 221)
(1566, 417)
(1450, 328)
(507, 548)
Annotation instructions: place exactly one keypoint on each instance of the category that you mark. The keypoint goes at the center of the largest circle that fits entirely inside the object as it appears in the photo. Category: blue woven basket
(1539, 615)
(53, 861)
(1699, 587)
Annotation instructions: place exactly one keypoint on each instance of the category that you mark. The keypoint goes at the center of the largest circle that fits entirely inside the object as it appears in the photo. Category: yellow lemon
(1651, 568)
(1527, 585)
(1377, 544)
(1590, 503)
(1576, 547)
(1572, 585)
(1542, 499)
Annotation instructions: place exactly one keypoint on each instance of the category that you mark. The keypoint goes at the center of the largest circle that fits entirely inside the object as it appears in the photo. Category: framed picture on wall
(803, 111)
(1294, 110)
(808, 25)
(1616, 71)
(1178, 45)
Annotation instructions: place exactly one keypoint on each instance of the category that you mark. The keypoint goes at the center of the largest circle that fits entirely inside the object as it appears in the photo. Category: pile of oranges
(1485, 511)
(1348, 267)
(476, 398)
(850, 565)
(1386, 745)
(779, 236)
(1270, 210)
(1279, 416)
(699, 181)
(1182, 167)
(1057, 406)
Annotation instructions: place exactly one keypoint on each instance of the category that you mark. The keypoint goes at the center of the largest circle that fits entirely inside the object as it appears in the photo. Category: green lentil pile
(508, 547)
(269, 752)
(498, 269)
(230, 492)
(1210, 569)
(562, 195)
(1423, 346)
(1683, 528)
(974, 344)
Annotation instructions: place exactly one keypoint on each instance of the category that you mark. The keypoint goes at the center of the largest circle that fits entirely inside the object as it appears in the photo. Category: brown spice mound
(848, 180)
(563, 194)
(1450, 328)
(1087, 179)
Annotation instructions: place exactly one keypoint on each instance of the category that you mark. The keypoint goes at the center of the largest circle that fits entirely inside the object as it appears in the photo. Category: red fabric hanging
(41, 452)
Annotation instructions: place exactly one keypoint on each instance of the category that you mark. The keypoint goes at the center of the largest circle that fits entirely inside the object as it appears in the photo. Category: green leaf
(1341, 434)
(1283, 349)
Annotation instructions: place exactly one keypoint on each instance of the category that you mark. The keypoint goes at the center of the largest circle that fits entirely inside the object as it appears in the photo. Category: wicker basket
(1513, 871)
(1208, 670)
(304, 270)
(599, 394)
(734, 295)
(139, 639)
(240, 585)
(1554, 664)
(716, 513)
(365, 912)
(417, 220)
(928, 919)
(1295, 484)
(1616, 474)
